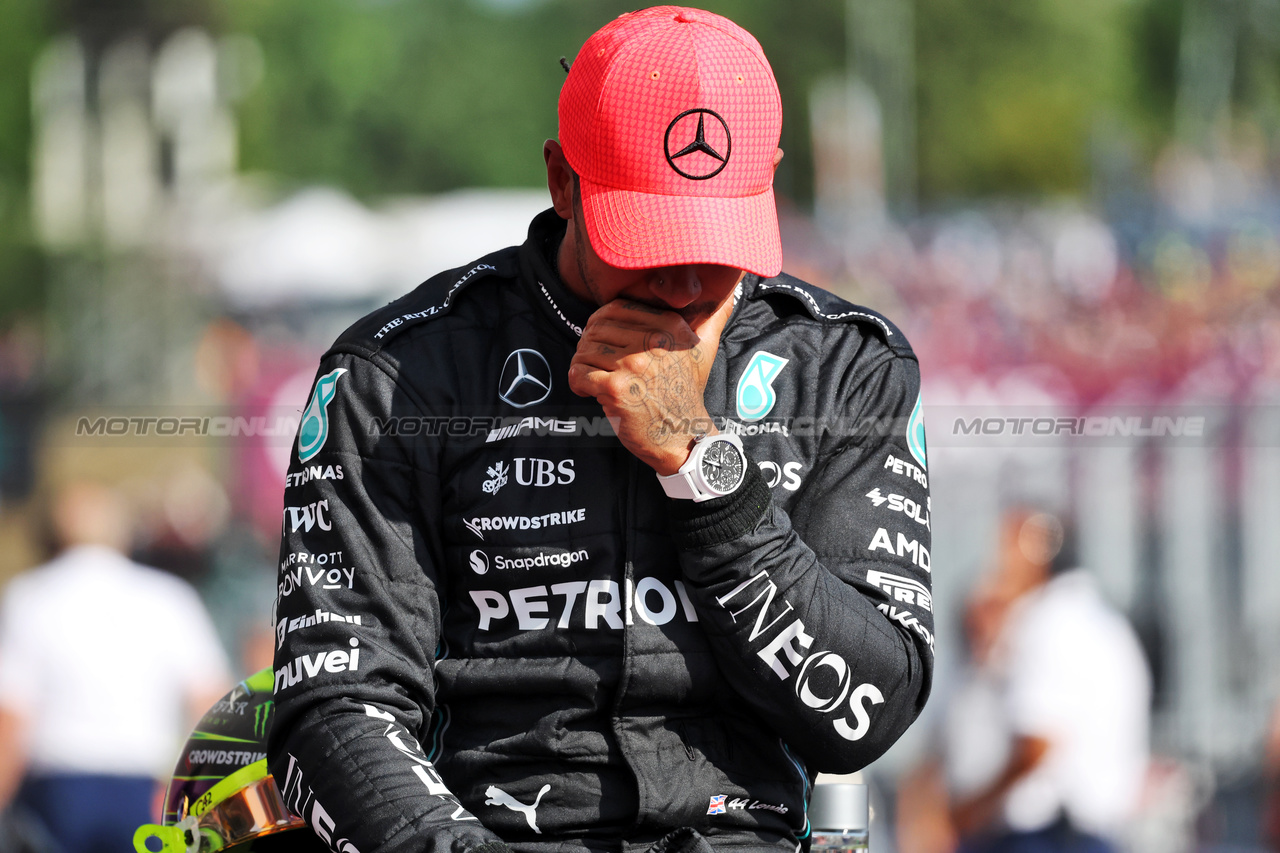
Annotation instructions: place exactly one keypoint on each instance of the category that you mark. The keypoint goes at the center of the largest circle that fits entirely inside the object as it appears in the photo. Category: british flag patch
(717, 804)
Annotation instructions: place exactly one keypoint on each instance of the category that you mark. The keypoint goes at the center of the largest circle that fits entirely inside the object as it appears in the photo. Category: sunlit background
(1070, 206)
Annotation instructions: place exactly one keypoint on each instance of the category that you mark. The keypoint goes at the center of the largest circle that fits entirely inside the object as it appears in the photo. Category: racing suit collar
(565, 310)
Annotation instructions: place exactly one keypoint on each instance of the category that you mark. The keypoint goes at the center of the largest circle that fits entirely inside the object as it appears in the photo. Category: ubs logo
(525, 380)
(704, 146)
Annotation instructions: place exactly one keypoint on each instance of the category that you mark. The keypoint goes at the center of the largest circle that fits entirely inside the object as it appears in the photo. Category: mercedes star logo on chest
(525, 380)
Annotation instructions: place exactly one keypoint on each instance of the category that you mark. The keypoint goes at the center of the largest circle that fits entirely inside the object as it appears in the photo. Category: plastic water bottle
(840, 816)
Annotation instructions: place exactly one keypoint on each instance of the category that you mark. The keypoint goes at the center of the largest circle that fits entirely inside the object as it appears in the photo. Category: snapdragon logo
(544, 558)
(314, 428)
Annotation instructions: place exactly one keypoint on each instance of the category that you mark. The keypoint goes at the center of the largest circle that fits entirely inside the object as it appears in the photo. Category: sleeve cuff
(720, 520)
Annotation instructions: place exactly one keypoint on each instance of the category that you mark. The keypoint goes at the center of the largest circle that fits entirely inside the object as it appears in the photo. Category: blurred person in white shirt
(1047, 742)
(104, 666)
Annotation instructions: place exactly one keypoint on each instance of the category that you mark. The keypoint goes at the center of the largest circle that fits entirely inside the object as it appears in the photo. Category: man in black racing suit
(496, 627)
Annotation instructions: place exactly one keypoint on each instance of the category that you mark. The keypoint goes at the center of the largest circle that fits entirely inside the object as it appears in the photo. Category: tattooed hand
(648, 368)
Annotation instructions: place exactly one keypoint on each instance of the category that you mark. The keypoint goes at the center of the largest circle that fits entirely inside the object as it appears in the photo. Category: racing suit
(493, 624)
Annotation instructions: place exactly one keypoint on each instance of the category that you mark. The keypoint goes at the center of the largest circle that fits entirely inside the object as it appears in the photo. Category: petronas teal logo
(755, 387)
(315, 420)
(915, 434)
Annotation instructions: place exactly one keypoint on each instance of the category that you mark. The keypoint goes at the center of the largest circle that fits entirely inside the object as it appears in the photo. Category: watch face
(722, 466)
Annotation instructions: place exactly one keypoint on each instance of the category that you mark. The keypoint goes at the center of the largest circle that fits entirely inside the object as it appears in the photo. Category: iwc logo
(526, 379)
(701, 143)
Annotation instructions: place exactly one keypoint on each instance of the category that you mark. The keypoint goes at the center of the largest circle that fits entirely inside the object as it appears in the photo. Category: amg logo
(918, 553)
(309, 666)
(539, 426)
(902, 589)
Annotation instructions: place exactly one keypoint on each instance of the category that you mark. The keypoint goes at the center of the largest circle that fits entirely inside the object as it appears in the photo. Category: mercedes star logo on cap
(526, 379)
(682, 128)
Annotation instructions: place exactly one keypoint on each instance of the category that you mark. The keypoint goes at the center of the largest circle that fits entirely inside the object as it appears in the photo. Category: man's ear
(559, 178)
(777, 158)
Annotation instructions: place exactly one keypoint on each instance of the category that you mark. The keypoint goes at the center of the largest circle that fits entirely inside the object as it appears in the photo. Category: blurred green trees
(413, 96)
(24, 27)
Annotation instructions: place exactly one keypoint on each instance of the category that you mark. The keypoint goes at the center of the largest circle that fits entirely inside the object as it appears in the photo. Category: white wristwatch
(716, 466)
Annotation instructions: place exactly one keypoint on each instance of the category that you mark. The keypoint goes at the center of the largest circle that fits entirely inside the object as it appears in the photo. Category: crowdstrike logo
(525, 380)
(523, 522)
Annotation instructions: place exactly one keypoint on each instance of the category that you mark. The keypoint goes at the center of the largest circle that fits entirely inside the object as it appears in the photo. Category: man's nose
(676, 287)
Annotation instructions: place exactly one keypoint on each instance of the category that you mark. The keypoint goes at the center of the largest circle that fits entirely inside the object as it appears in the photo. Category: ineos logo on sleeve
(704, 147)
(525, 380)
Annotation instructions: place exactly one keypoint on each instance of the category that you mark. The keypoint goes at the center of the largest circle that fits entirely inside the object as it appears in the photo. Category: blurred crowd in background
(1071, 208)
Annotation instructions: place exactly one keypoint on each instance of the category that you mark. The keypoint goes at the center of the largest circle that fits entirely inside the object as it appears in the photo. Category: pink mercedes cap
(670, 117)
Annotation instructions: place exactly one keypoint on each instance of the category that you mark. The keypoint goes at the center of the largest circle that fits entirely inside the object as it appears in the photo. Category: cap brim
(634, 230)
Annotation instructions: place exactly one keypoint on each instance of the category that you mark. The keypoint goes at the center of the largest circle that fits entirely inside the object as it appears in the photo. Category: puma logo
(498, 797)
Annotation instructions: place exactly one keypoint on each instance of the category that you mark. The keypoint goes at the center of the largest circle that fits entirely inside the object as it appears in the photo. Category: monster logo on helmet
(221, 797)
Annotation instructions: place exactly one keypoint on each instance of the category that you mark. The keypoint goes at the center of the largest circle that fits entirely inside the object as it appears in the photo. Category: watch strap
(720, 520)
